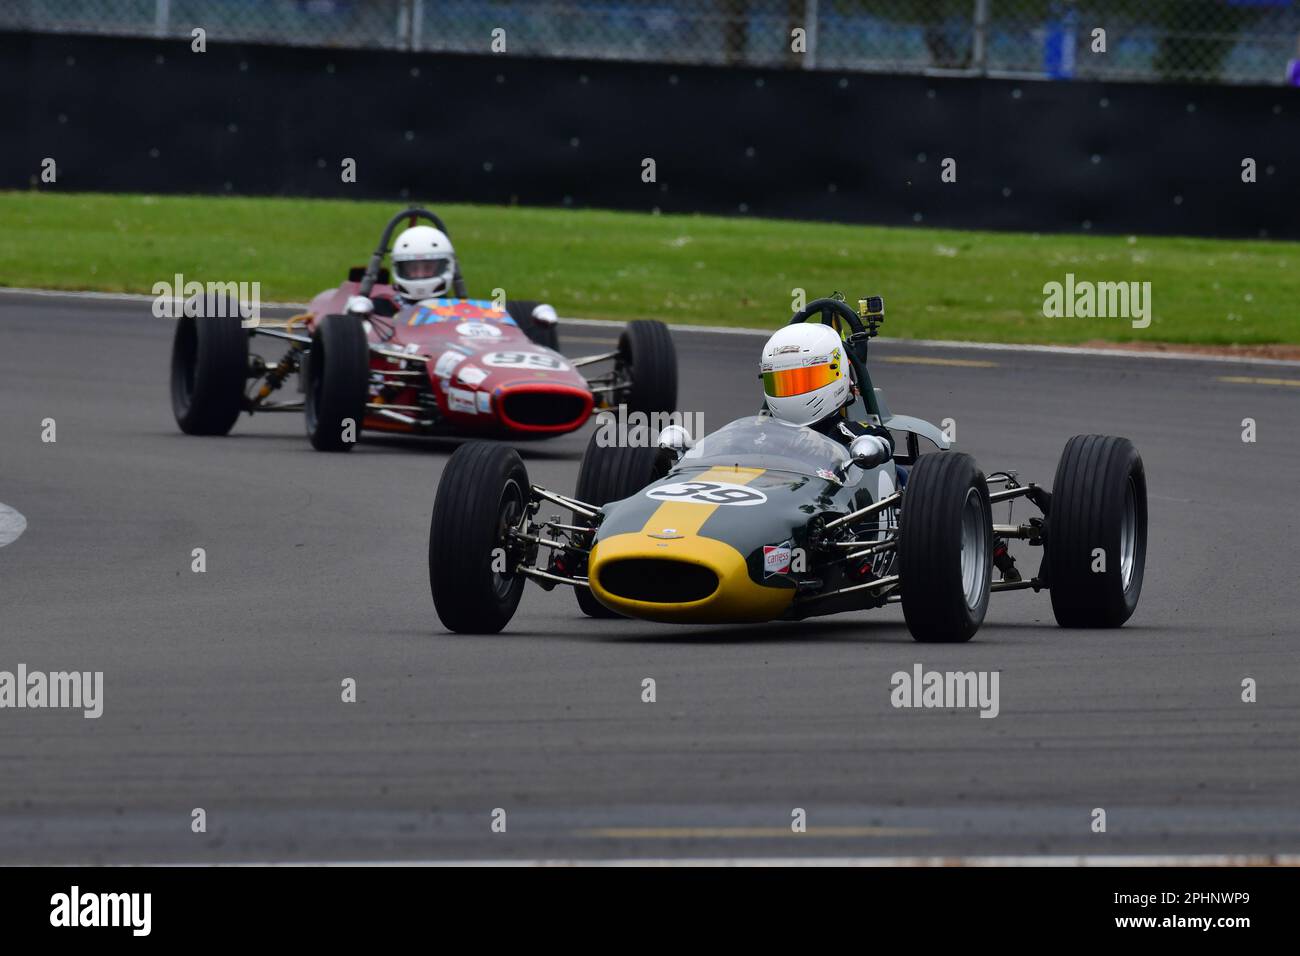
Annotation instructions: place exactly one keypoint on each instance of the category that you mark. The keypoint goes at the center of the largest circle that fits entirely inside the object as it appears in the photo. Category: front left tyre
(208, 374)
(482, 494)
(338, 381)
(945, 548)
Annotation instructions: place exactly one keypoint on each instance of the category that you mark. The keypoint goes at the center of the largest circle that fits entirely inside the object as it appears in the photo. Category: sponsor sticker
(461, 400)
(471, 374)
(446, 362)
(776, 559)
(707, 493)
(485, 403)
(478, 330)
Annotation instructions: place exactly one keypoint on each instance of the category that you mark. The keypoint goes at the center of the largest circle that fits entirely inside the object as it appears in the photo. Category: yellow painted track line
(744, 833)
(1255, 380)
(593, 340)
(932, 360)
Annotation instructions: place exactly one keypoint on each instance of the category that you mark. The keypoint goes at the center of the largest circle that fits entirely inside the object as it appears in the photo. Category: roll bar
(855, 342)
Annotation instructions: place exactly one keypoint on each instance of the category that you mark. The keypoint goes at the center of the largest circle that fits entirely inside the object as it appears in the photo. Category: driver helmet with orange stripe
(805, 374)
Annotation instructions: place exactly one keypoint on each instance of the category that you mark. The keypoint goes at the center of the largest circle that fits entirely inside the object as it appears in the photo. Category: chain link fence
(1218, 41)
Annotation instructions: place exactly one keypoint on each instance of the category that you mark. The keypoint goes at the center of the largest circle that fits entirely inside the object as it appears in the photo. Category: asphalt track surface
(222, 689)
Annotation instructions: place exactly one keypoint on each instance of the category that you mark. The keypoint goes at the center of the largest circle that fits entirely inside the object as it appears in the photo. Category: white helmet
(804, 371)
(424, 263)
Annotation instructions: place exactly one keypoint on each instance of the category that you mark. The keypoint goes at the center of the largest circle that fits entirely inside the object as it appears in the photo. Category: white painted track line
(1168, 860)
(725, 330)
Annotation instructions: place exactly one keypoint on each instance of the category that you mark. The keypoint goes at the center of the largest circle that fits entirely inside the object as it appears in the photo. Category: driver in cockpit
(424, 264)
(806, 381)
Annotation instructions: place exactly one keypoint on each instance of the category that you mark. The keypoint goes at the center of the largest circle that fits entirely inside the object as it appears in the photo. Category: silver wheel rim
(1128, 535)
(510, 509)
(975, 550)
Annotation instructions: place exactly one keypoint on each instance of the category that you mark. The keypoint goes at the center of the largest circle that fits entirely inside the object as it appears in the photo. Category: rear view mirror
(676, 439)
(868, 451)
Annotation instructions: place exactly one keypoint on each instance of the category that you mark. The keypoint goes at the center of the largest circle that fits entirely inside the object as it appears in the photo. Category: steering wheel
(826, 307)
(377, 258)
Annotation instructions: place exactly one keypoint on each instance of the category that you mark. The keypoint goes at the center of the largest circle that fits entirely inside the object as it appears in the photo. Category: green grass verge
(937, 283)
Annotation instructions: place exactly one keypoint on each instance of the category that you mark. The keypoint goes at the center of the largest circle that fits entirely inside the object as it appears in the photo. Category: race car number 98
(707, 493)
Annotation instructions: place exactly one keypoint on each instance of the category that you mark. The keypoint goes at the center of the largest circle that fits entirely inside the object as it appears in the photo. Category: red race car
(409, 351)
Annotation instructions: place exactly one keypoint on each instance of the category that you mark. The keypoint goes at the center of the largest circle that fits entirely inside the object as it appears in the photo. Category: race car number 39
(707, 493)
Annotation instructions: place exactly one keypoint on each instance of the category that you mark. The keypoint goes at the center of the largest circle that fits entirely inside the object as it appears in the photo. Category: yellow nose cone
(688, 579)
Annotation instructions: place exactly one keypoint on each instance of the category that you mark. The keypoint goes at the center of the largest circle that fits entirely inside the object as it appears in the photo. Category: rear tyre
(482, 493)
(543, 334)
(648, 359)
(209, 371)
(1096, 541)
(945, 548)
(610, 474)
(338, 376)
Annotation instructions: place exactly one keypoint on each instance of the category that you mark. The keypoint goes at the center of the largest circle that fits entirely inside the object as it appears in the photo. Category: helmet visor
(421, 268)
(797, 381)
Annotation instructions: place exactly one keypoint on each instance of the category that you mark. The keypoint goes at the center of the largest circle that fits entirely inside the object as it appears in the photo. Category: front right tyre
(647, 360)
(544, 334)
(1096, 538)
(338, 382)
(610, 473)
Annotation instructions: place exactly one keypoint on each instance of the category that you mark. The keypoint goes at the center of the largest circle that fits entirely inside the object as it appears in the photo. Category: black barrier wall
(145, 115)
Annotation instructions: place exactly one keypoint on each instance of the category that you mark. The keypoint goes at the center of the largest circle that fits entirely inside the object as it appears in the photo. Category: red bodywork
(483, 373)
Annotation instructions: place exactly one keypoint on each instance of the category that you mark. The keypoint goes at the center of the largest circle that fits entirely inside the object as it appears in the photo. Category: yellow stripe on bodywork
(737, 599)
(687, 518)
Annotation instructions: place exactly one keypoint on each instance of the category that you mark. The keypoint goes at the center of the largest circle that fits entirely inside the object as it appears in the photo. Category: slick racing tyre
(610, 474)
(945, 548)
(1096, 539)
(482, 494)
(545, 334)
(209, 371)
(647, 359)
(338, 377)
